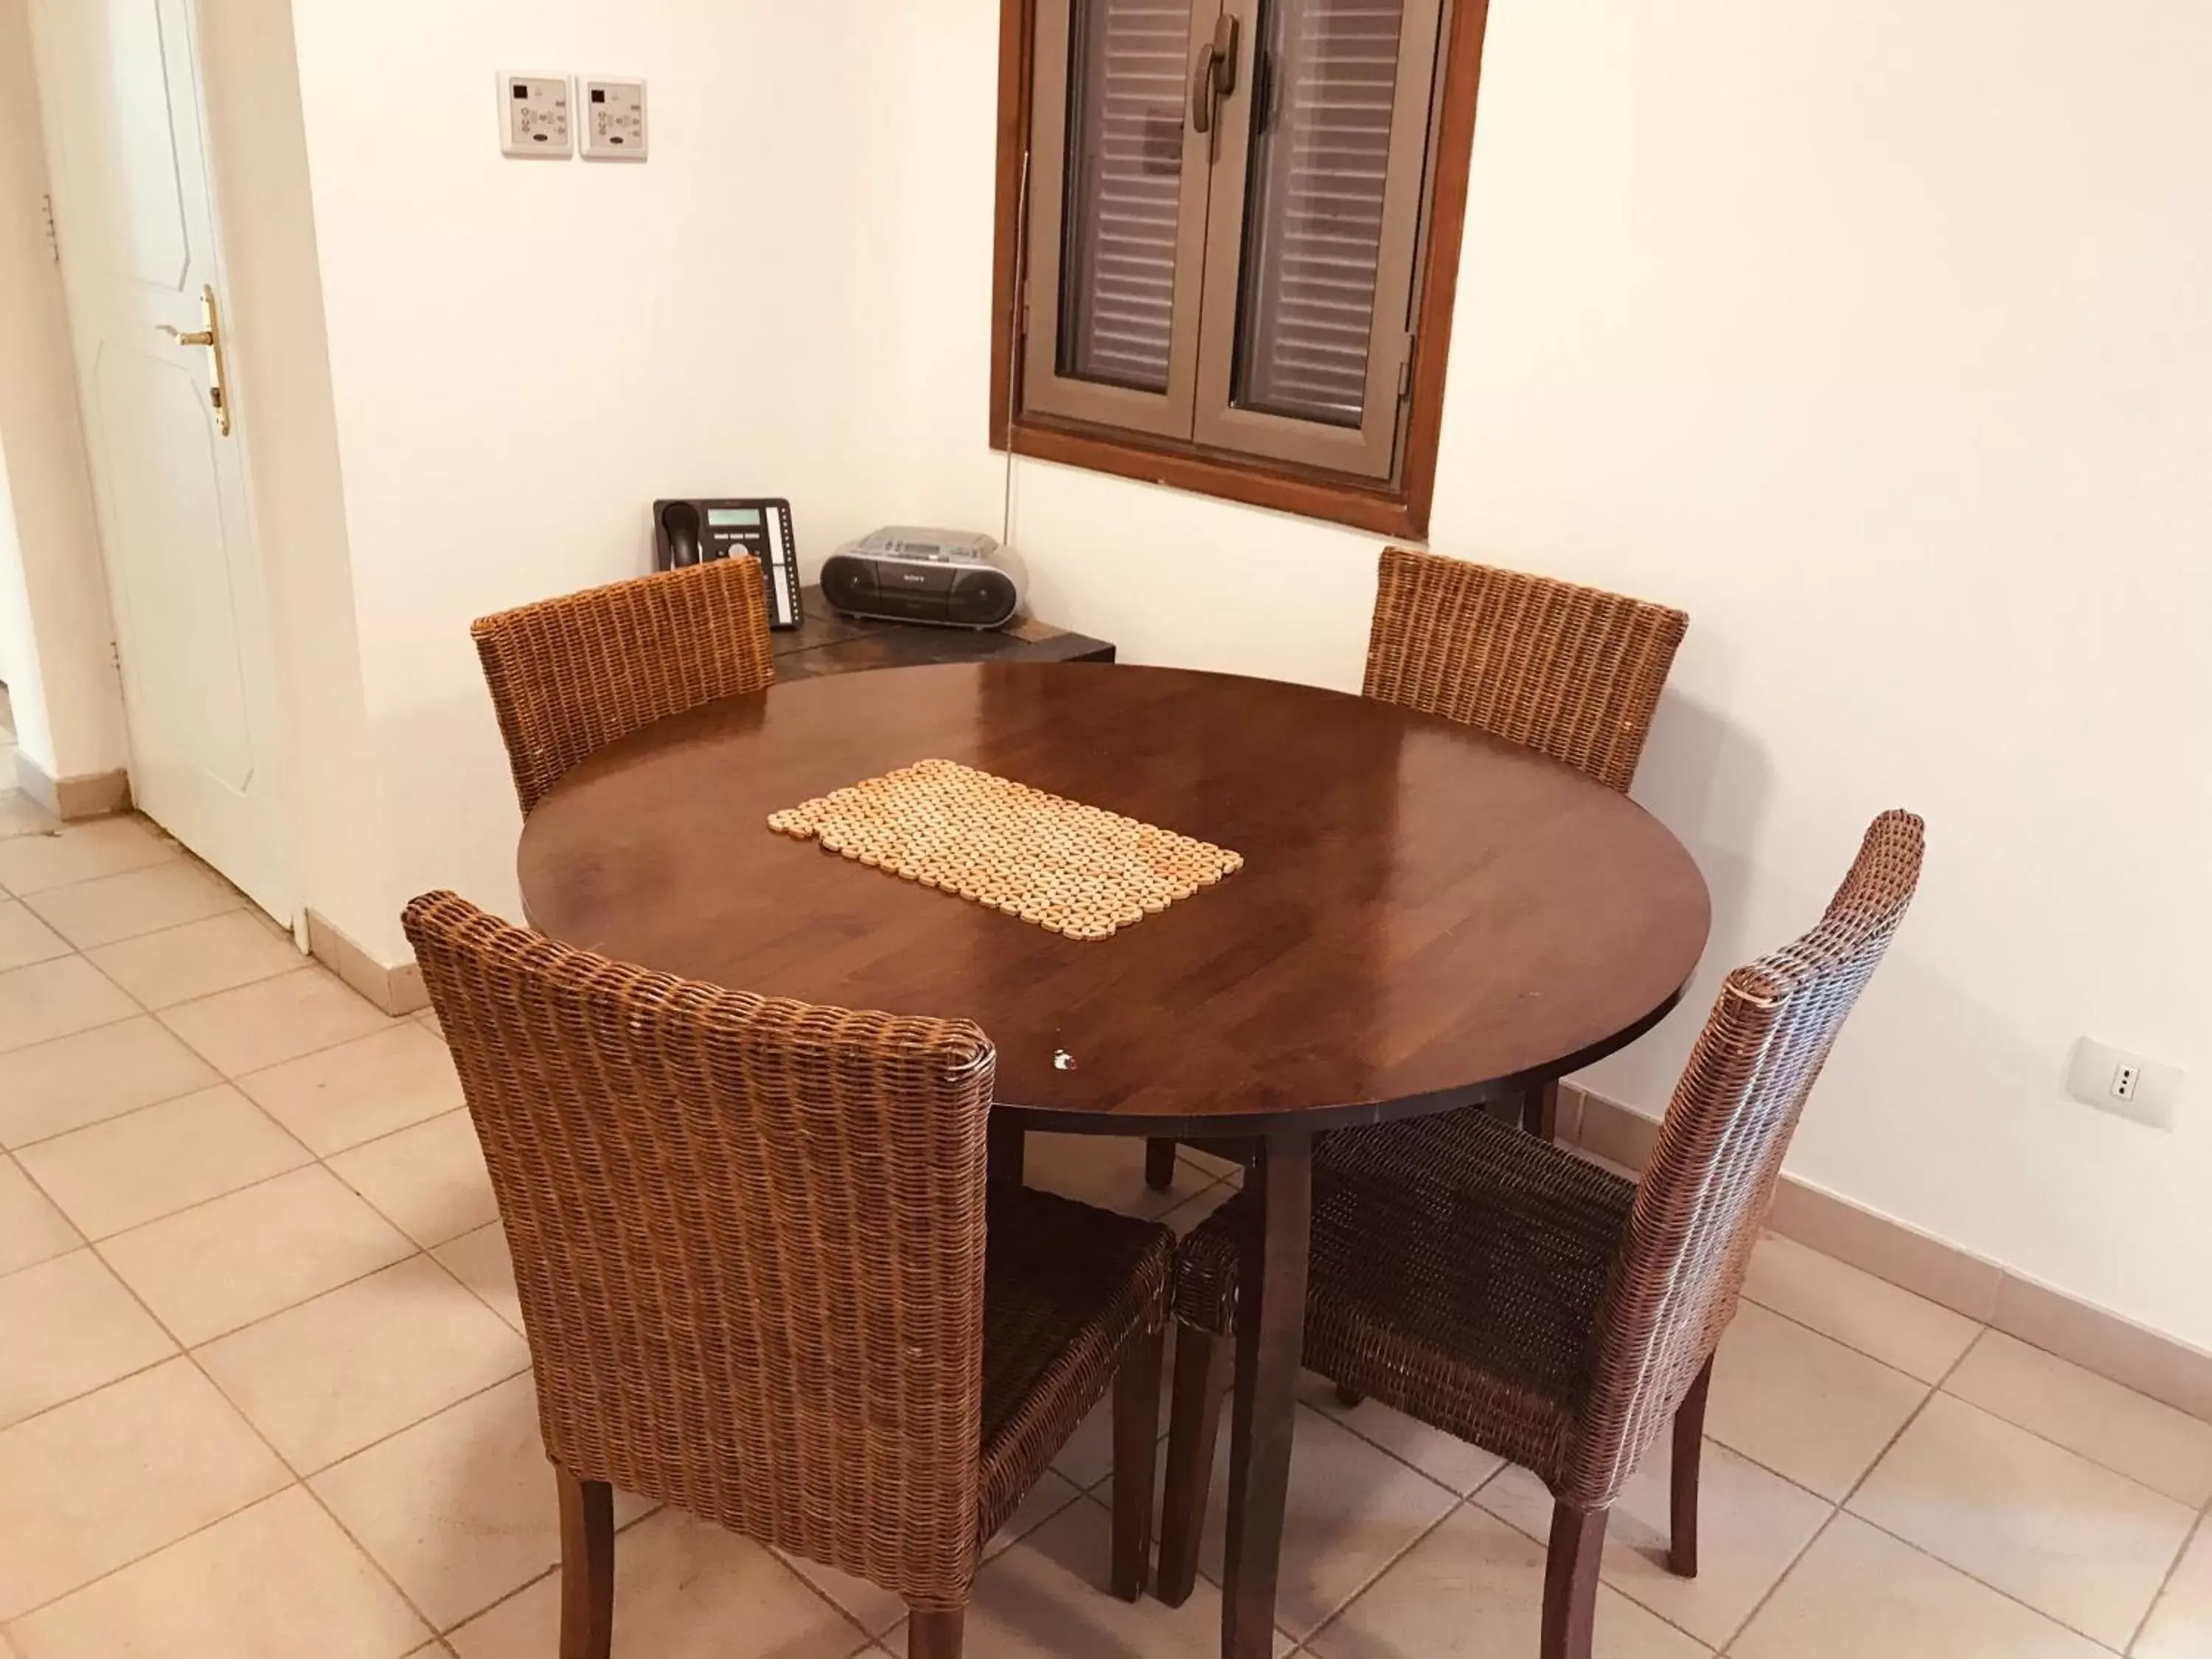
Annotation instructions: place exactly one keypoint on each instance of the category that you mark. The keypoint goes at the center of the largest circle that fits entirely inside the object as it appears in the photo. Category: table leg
(1007, 1144)
(1271, 1314)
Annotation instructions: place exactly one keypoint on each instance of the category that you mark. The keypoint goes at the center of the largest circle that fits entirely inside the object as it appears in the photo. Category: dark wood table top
(827, 643)
(1425, 915)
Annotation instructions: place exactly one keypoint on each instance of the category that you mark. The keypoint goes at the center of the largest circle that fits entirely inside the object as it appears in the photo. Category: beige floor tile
(25, 939)
(1444, 1458)
(1195, 1209)
(82, 852)
(56, 998)
(331, 1375)
(159, 1159)
(429, 1178)
(69, 1327)
(1751, 1525)
(2163, 1447)
(1474, 1589)
(876, 1610)
(94, 913)
(342, 1097)
(31, 1229)
(1046, 1598)
(2069, 1538)
(102, 1481)
(19, 814)
(277, 1581)
(2181, 1625)
(1353, 1508)
(197, 959)
(1902, 1330)
(684, 1589)
(273, 1020)
(61, 1085)
(1108, 1170)
(1806, 1407)
(1210, 1164)
(253, 1253)
(1860, 1593)
(480, 1260)
(460, 1509)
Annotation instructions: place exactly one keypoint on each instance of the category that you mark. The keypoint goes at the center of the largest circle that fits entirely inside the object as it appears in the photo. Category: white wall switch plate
(613, 112)
(2126, 1085)
(533, 115)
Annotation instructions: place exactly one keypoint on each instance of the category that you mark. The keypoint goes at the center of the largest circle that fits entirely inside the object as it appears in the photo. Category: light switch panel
(614, 117)
(533, 115)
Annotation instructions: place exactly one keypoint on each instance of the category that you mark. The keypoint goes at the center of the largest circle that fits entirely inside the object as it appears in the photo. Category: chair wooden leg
(1159, 1164)
(1201, 1377)
(1348, 1398)
(1539, 1110)
(587, 1566)
(935, 1635)
(1136, 1458)
(1570, 1582)
(1689, 1455)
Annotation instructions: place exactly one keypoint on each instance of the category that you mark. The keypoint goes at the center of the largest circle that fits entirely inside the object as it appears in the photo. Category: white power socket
(613, 112)
(533, 115)
(2126, 1085)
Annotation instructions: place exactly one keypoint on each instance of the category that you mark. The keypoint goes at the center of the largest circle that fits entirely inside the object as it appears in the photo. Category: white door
(136, 223)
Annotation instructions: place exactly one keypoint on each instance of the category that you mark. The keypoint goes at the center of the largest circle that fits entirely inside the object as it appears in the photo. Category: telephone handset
(692, 531)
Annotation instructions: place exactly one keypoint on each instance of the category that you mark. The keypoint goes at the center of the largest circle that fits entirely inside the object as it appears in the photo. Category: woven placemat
(1057, 863)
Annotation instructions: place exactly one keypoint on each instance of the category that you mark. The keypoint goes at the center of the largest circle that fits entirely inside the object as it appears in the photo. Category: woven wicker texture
(1572, 673)
(1495, 1286)
(569, 675)
(749, 1243)
(1056, 864)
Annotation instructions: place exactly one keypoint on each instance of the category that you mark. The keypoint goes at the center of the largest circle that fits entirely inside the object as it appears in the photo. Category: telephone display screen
(733, 518)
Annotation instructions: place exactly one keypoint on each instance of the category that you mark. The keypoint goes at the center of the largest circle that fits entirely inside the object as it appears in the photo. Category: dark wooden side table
(827, 643)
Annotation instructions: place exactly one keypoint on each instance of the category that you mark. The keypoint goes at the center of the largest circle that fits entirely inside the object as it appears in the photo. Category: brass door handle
(211, 338)
(1215, 77)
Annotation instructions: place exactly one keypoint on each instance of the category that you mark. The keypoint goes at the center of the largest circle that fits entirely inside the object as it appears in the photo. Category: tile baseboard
(2097, 1340)
(90, 795)
(395, 990)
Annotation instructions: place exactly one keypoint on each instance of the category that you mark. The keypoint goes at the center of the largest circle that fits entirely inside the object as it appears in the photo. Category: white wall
(1875, 337)
(55, 635)
(525, 354)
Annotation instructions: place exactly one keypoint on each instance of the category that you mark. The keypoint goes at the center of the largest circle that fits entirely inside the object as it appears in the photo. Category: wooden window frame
(1399, 509)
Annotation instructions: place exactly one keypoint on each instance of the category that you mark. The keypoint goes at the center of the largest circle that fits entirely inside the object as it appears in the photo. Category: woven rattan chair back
(1704, 1194)
(571, 675)
(747, 1238)
(1572, 673)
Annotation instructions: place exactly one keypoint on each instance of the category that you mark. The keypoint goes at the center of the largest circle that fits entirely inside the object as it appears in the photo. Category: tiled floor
(263, 1393)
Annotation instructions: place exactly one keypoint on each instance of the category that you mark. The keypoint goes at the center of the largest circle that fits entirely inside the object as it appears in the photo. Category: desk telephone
(691, 531)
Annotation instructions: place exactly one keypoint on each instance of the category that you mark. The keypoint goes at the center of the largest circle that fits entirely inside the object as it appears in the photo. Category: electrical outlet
(613, 114)
(2126, 1085)
(533, 115)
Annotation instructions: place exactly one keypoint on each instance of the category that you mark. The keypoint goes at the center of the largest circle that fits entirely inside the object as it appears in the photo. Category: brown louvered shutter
(1309, 277)
(1325, 86)
(1127, 83)
(1117, 214)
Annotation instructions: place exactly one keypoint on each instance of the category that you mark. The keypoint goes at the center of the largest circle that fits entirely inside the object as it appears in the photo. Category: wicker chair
(1572, 673)
(571, 675)
(1501, 1289)
(761, 1280)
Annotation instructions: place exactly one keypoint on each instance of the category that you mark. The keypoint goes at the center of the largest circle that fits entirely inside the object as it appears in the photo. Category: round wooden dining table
(1426, 918)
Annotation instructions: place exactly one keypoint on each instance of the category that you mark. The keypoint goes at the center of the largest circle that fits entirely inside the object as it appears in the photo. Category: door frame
(283, 897)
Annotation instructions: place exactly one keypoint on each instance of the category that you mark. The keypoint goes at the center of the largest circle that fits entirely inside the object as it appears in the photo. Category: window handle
(1216, 75)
